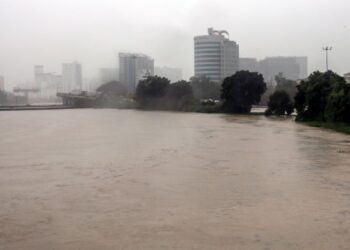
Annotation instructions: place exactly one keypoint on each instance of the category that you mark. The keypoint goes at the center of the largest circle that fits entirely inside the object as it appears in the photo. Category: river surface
(111, 179)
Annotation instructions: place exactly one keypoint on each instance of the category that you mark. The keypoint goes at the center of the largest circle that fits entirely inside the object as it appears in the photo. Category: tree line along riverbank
(322, 100)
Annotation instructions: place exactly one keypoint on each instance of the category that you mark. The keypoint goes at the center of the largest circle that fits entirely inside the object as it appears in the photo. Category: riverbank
(33, 107)
(338, 127)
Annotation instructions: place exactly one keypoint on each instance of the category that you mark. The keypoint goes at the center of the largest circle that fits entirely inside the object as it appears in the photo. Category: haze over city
(93, 32)
(183, 124)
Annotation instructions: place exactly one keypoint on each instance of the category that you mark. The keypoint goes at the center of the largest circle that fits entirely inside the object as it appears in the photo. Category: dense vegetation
(156, 92)
(282, 84)
(280, 104)
(241, 91)
(113, 95)
(286, 85)
(323, 97)
(113, 88)
(205, 89)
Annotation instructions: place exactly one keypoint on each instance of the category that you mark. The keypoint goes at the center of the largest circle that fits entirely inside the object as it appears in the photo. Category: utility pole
(327, 49)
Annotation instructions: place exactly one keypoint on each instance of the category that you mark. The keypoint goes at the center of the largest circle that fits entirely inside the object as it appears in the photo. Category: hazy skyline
(93, 32)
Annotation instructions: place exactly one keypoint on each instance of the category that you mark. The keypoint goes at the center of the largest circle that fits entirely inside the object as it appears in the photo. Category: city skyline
(46, 33)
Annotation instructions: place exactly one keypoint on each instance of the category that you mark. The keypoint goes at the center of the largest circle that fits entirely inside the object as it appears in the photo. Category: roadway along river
(110, 179)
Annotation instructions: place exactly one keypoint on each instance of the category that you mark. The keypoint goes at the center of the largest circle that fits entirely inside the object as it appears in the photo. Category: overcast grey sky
(51, 32)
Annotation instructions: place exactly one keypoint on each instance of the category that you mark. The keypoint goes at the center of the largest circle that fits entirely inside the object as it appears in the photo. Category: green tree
(151, 91)
(313, 94)
(179, 95)
(279, 104)
(265, 97)
(338, 104)
(288, 86)
(241, 91)
(204, 88)
(113, 88)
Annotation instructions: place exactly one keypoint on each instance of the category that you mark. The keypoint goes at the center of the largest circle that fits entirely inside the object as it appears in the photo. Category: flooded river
(110, 179)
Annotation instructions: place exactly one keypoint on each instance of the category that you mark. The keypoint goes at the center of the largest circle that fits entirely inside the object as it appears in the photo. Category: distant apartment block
(173, 74)
(108, 75)
(72, 78)
(302, 61)
(250, 64)
(47, 83)
(293, 68)
(215, 55)
(134, 67)
(2, 83)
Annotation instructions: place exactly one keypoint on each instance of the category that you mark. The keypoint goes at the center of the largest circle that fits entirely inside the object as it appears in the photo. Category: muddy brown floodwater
(110, 179)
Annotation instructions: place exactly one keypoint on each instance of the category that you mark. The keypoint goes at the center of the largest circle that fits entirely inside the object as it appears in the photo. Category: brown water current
(111, 179)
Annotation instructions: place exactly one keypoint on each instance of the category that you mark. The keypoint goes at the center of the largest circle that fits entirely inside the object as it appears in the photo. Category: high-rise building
(133, 67)
(47, 83)
(293, 68)
(2, 83)
(215, 55)
(249, 64)
(173, 74)
(72, 78)
(38, 73)
(302, 61)
(109, 75)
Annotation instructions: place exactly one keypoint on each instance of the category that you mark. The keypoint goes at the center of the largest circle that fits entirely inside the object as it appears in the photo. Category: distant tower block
(38, 75)
(2, 83)
(134, 67)
(216, 56)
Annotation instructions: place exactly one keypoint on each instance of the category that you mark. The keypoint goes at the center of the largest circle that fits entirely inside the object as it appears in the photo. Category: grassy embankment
(339, 127)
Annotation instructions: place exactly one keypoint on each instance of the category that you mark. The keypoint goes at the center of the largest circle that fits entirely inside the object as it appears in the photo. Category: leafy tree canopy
(204, 88)
(241, 91)
(279, 104)
(288, 86)
(179, 90)
(152, 87)
(338, 104)
(179, 95)
(313, 95)
(113, 88)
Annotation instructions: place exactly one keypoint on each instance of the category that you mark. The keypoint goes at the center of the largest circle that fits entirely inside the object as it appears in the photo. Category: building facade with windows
(72, 79)
(215, 55)
(134, 67)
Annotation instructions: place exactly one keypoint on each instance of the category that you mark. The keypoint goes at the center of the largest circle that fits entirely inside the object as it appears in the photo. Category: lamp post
(327, 49)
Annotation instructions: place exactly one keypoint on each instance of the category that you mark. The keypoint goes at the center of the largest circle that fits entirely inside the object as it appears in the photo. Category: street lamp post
(327, 49)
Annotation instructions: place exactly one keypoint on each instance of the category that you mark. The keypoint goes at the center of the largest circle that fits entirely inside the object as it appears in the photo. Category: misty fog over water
(111, 179)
